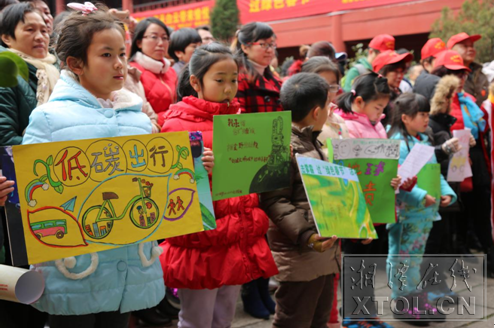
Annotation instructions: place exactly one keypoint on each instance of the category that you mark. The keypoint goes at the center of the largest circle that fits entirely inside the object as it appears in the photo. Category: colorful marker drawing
(336, 199)
(133, 189)
(98, 220)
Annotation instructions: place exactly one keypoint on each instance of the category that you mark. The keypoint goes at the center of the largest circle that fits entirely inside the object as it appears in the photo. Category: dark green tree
(475, 17)
(224, 19)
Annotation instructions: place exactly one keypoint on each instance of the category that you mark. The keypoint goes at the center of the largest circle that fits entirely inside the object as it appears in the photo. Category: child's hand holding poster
(376, 162)
(336, 199)
(252, 153)
(78, 197)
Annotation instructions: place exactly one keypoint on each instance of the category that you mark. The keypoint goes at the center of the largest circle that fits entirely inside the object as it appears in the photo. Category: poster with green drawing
(429, 180)
(202, 181)
(376, 162)
(336, 199)
(252, 153)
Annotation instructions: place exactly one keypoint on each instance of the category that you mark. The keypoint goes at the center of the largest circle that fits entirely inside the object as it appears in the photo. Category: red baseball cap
(461, 37)
(450, 59)
(432, 47)
(390, 57)
(382, 42)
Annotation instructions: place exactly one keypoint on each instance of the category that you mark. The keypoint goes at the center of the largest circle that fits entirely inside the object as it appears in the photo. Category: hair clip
(86, 8)
(353, 92)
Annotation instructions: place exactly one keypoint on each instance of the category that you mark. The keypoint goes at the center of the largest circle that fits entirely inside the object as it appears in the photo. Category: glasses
(333, 88)
(155, 38)
(265, 45)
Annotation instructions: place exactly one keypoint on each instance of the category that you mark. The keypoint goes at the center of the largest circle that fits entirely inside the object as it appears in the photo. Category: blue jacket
(411, 204)
(119, 279)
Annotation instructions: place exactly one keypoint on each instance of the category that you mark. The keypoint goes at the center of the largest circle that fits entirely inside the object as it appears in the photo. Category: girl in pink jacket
(362, 107)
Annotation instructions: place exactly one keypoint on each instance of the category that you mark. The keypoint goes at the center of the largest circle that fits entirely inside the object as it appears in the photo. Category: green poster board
(252, 153)
(336, 200)
(429, 180)
(375, 162)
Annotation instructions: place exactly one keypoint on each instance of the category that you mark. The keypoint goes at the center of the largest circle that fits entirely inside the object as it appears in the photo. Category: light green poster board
(375, 162)
(252, 153)
(336, 199)
(429, 180)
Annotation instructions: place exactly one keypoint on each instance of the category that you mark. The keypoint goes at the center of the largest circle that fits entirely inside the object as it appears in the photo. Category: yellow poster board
(78, 197)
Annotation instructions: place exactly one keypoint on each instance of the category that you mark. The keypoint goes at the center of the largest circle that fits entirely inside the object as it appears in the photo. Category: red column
(127, 5)
(59, 6)
(336, 37)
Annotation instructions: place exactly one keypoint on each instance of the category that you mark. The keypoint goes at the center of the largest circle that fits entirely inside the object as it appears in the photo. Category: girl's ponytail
(345, 100)
(184, 87)
(369, 86)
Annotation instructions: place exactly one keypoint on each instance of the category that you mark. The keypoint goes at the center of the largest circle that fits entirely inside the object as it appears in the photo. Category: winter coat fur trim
(444, 90)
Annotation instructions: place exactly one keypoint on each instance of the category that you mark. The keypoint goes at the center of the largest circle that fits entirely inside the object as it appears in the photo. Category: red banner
(272, 10)
(192, 15)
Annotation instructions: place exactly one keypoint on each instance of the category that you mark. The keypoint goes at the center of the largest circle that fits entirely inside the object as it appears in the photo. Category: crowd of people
(85, 61)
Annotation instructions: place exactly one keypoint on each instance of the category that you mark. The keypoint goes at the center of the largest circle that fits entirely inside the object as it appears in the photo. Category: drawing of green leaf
(49, 160)
(59, 189)
(43, 178)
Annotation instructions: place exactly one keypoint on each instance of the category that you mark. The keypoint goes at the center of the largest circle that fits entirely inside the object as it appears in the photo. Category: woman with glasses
(259, 89)
(475, 191)
(149, 47)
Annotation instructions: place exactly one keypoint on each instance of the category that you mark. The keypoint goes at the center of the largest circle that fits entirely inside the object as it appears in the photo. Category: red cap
(432, 47)
(382, 42)
(461, 37)
(390, 57)
(450, 59)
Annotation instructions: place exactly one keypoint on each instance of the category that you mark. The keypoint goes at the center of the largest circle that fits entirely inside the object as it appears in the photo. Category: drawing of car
(58, 228)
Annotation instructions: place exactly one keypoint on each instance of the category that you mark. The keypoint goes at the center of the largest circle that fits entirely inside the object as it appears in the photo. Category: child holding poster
(98, 289)
(418, 208)
(307, 263)
(209, 267)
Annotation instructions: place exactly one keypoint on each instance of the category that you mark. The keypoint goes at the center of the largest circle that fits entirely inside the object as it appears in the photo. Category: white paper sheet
(459, 167)
(417, 158)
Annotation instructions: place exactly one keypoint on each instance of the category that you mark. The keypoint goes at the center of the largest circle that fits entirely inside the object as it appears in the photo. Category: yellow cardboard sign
(84, 196)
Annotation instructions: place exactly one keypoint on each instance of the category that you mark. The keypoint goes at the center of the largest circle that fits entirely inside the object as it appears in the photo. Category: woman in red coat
(208, 267)
(259, 89)
(149, 46)
(476, 196)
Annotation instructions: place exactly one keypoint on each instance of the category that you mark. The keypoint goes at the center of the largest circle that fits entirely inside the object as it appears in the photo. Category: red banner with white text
(192, 15)
(272, 10)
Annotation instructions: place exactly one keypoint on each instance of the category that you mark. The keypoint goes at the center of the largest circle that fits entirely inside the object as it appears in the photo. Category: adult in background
(24, 32)
(392, 66)
(258, 91)
(205, 34)
(476, 191)
(476, 83)
(183, 42)
(150, 43)
(378, 44)
(426, 82)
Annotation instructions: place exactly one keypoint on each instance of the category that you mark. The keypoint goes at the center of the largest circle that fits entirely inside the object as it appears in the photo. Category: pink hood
(359, 126)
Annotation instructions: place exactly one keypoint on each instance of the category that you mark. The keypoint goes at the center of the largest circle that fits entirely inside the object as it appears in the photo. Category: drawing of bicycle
(98, 220)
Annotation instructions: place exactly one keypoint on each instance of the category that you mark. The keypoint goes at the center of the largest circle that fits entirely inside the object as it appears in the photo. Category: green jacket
(354, 72)
(16, 104)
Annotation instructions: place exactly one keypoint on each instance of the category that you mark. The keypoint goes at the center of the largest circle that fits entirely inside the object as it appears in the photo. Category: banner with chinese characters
(376, 162)
(272, 10)
(191, 15)
(252, 153)
(336, 199)
(83, 196)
